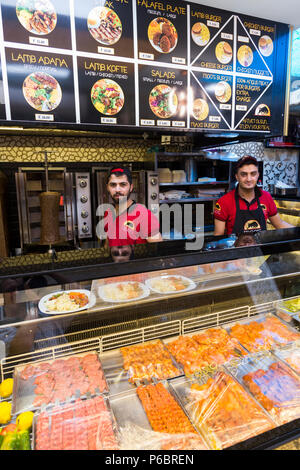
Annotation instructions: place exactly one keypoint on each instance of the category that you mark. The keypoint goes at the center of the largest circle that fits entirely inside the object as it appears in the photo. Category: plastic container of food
(221, 409)
(58, 381)
(287, 309)
(272, 383)
(79, 425)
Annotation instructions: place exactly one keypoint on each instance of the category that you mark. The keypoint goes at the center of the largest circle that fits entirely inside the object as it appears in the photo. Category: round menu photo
(265, 45)
(104, 25)
(200, 109)
(224, 52)
(223, 92)
(262, 110)
(200, 34)
(163, 101)
(42, 91)
(37, 16)
(162, 35)
(107, 96)
(245, 56)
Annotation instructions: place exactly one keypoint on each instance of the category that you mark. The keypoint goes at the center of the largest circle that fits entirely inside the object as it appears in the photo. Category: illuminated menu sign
(141, 63)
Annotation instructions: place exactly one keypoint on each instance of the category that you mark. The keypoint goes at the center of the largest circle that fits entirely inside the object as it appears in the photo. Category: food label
(108, 120)
(163, 123)
(178, 60)
(241, 107)
(144, 55)
(243, 39)
(178, 123)
(147, 122)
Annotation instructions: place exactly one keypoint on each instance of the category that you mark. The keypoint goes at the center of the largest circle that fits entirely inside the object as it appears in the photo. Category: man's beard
(121, 200)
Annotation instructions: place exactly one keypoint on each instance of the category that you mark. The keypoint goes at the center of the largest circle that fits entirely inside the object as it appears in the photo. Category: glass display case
(163, 333)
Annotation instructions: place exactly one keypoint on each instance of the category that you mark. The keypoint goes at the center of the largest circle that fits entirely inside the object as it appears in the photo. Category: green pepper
(1, 439)
(24, 440)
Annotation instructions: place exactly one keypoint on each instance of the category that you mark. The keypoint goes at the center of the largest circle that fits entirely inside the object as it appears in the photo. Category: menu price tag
(214, 119)
(147, 122)
(243, 39)
(178, 60)
(178, 123)
(146, 56)
(38, 41)
(105, 120)
(213, 24)
(240, 107)
(106, 50)
(255, 32)
(163, 123)
(44, 117)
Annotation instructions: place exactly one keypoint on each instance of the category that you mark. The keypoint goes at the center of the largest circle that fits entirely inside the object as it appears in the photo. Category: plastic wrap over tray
(79, 425)
(149, 418)
(221, 409)
(206, 349)
(290, 355)
(43, 383)
(272, 383)
(262, 332)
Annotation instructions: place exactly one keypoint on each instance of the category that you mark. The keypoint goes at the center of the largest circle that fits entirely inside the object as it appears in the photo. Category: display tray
(290, 355)
(78, 425)
(142, 370)
(206, 354)
(219, 407)
(272, 383)
(284, 312)
(136, 432)
(46, 383)
(262, 332)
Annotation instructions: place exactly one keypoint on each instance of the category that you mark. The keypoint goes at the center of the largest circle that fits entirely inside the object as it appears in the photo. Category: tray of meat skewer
(41, 384)
(78, 425)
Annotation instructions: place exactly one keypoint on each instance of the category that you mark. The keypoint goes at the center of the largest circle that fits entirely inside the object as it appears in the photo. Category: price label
(147, 122)
(44, 117)
(243, 39)
(105, 120)
(225, 106)
(178, 123)
(145, 55)
(213, 24)
(214, 119)
(255, 32)
(106, 50)
(163, 123)
(178, 60)
(38, 41)
(240, 107)
(227, 36)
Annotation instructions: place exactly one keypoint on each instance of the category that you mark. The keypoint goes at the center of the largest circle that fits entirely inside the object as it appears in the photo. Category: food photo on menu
(106, 100)
(210, 100)
(37, 22)
(162, 31)
(43, 88)
(104, 27)
(162, 96)
(211, 33)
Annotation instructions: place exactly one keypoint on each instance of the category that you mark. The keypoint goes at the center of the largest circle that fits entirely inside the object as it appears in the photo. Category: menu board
(104, 27)
(162, 96)
(169, 64)
(37, 22)
(106, 90)
(40, 86)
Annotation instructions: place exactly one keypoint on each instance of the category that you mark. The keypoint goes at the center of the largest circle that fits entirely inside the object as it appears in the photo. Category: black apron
(248, 221)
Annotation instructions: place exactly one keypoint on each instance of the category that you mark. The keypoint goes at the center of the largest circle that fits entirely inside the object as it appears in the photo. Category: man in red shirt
(129, 223)
(246, 208)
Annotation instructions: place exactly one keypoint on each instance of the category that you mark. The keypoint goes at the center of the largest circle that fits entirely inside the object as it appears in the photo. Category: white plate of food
(67, 301)
(170, 284)
(125, 291)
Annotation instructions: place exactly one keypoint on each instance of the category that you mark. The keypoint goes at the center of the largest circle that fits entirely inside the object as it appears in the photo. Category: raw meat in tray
(59, 380)
(81, 425)
(148, 361)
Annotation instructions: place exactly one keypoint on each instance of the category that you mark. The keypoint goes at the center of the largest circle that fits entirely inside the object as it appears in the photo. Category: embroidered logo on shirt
(129, 224)
(217, 206)
(264, 207)
(252, 225)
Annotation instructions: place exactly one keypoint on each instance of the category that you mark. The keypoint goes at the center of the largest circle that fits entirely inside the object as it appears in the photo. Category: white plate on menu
(141, 291)
(190, 285)
(43, 308)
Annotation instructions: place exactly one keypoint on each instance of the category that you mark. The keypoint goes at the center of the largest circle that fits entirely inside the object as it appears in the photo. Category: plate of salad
(107, 96)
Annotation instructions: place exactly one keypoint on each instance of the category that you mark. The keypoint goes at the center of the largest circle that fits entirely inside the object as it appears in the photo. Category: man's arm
(219, 227)
(277, 222)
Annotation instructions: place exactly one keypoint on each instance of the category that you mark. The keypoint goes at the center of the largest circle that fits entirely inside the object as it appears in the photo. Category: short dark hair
(119, 171)
(246, 160)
